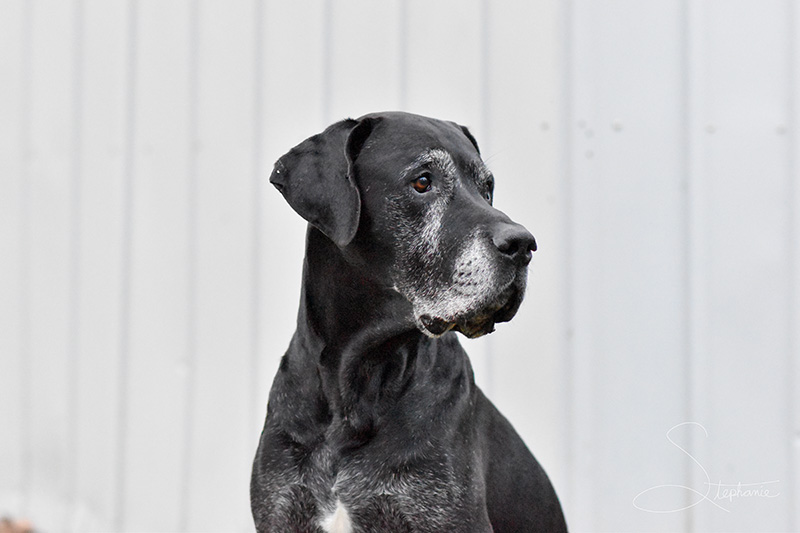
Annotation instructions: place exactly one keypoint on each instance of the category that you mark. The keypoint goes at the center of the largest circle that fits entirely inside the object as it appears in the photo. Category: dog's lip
(476, 324)
(512, 305)
(434, 325)
(475, 329)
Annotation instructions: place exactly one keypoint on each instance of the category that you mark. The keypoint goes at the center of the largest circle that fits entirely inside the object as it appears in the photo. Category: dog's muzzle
(486, 284)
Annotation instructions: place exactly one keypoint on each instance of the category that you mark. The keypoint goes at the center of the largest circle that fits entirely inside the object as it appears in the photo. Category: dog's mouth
(474, 324)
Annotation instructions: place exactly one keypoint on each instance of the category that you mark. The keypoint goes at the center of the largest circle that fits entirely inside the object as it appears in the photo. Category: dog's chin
(476, 323)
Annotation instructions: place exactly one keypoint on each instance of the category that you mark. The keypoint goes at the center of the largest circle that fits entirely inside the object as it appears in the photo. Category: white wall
(683, 199)
(149, 275)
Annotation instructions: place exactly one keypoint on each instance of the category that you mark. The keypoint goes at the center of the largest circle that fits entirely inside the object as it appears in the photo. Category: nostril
(515, 242)
(525, 257)
(508, 247)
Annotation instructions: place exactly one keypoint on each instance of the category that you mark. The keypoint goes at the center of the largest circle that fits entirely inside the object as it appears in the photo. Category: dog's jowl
(374, 422)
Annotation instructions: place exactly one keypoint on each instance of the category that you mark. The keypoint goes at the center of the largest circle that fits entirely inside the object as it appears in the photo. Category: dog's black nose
(516, 242)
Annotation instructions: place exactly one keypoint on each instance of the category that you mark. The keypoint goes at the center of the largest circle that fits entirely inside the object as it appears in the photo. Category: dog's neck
(362, 339)
(343, 304)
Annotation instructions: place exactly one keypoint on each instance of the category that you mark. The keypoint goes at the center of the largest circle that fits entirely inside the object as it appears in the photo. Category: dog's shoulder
(519, 494)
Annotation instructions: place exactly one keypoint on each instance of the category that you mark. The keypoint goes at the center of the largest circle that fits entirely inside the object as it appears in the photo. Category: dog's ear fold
(470, 137)
(316, 179)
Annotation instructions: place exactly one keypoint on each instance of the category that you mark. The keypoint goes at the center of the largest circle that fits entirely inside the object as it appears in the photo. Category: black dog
(374, 419)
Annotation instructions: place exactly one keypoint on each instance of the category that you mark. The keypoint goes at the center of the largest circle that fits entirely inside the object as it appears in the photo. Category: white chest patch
(338, 521)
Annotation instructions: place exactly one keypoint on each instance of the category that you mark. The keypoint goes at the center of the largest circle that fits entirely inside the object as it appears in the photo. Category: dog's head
(408, 201)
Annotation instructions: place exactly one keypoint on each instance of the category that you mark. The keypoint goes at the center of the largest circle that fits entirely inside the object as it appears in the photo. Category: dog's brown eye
(422, 183)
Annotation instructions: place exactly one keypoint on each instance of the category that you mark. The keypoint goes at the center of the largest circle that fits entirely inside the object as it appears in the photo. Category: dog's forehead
(400, 141)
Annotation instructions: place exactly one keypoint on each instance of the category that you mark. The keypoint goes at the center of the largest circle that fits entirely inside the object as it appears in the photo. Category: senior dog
(374, 421)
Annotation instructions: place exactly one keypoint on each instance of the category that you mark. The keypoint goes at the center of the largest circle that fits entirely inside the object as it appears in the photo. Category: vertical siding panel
(157, 355)
(12, 79)
(585, 365)
(291, 111)
(743, 155)
(50, 198)
(220, 441)
(444, 60)
(628, 258)
(293, 75)
(352, 58)
(101, 123)
(522, 125)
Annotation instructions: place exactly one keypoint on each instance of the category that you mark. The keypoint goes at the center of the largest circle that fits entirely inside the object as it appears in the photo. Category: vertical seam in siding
(403, 53)
(26, 371)
(793, 364)
(686, 231)
(327, 44)
(258, 168)
(123, 376)
(568, 385)
(697, 305)
(188, 362)
(73, 340)
(484, 37)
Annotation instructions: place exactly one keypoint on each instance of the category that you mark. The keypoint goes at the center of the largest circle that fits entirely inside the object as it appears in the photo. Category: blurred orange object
(15, 526)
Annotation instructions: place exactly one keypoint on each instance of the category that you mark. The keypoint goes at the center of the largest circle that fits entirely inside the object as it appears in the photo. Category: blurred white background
(149, 275)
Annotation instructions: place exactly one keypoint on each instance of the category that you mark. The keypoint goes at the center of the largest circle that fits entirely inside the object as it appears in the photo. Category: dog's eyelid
(412, 172)
(417, 174)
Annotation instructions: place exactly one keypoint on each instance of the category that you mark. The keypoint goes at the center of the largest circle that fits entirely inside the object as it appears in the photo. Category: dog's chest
(379, 513)
(338, 521)
(365, 500)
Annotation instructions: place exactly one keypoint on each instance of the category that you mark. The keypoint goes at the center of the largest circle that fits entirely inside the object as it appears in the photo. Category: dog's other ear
(469, 136)
(316, 179)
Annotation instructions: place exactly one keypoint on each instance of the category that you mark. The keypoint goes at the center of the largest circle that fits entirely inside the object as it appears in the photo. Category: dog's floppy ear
(316, 179)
